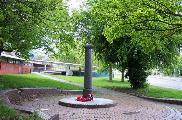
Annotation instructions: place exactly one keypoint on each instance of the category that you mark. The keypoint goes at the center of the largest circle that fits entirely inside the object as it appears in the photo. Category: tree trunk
(122, 75)
(0, 52)
(110, 71)
(1, 48)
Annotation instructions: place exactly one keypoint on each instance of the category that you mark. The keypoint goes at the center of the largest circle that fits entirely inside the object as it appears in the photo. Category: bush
(137, 78)
(137, 67)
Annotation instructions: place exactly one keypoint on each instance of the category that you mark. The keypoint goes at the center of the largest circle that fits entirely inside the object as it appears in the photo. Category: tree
(70, 51)
(111, 54)
(105, 52)
(24, 24)
(154, 27)
(144, 17)
(122, 46)
(174, 69)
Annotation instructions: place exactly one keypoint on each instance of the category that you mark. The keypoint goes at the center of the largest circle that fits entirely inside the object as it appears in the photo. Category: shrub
(137, 67)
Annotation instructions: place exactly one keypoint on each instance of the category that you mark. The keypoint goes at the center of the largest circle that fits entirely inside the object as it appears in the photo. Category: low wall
(11, 68)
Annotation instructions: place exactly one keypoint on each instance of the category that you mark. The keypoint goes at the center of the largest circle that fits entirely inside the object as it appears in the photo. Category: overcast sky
(74, 4)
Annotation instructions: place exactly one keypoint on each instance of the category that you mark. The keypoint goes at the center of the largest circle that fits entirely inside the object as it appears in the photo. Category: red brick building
(10, 64)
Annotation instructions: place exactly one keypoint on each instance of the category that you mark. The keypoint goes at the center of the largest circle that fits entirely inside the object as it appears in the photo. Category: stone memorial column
(88, 71)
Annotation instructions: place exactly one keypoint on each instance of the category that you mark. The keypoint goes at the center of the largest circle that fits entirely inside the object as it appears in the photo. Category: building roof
(11, 56)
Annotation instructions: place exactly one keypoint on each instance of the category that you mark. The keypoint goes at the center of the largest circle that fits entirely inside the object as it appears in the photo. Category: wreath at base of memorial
(89, 97)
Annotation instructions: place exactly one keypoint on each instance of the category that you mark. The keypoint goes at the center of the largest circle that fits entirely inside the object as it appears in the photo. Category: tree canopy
(152, 28)
(26, 25)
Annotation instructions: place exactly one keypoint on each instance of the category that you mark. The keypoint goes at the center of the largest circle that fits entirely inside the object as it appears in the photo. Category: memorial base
(95, 103)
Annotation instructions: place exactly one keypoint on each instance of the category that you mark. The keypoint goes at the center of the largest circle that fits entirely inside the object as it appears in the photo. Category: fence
(11, 68)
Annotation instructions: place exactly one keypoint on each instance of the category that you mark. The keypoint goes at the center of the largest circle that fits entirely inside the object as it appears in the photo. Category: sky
(74, 4)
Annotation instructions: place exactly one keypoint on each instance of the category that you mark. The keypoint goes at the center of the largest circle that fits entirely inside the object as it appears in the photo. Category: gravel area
(128, 108)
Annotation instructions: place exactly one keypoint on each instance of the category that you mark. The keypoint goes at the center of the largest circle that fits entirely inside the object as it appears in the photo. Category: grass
(31, 81)
(7, 113)
(151, 91)
(159, 92)
(97, 81)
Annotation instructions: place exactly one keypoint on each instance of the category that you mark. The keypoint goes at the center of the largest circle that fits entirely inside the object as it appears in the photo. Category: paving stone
(127, 108)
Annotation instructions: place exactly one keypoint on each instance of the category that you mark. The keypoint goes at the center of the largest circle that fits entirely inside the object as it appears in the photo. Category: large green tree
(154, 27)
(26, 25)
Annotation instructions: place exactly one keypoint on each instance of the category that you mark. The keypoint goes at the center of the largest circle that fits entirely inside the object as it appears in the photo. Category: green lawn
(160, 92)
(97, 81)
(151, 91)
(31, 81)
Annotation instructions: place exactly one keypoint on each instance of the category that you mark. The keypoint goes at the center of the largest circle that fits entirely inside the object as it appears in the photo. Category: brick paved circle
(127, 108)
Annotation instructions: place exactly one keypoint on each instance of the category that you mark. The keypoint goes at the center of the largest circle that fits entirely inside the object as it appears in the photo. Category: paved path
(128, 108)
(166, 81)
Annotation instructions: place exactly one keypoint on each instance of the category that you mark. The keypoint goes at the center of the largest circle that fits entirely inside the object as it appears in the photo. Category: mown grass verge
(14, 81)
(116, 84)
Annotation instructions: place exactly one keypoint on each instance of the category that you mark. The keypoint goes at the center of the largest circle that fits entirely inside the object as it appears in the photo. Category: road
(165, 81)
